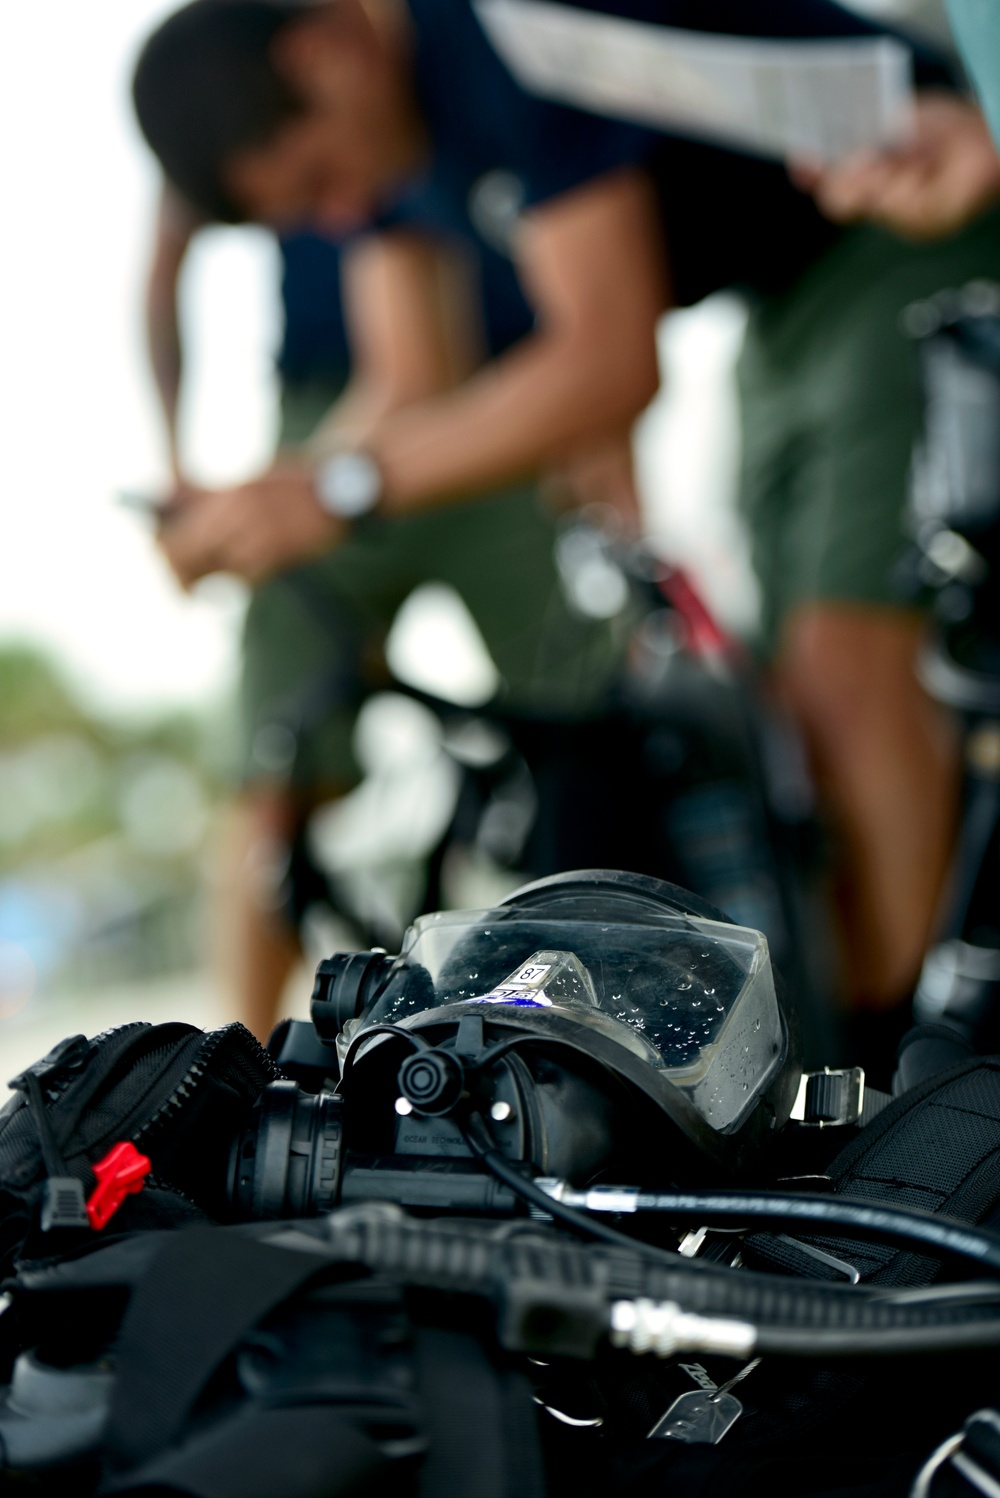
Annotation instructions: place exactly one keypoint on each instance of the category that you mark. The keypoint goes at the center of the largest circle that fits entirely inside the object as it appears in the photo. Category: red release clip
(120, 1174)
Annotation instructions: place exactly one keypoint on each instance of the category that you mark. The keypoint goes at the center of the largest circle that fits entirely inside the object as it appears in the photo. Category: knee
(849, 673)
(255, 848)
(265, 811)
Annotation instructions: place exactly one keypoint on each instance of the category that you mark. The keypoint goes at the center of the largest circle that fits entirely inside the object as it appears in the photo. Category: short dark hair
(205, 87)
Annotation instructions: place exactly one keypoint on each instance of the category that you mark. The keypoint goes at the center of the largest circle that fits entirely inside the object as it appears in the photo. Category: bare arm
(402, 294)
(409, 343)
(176, 225)
(592, 263)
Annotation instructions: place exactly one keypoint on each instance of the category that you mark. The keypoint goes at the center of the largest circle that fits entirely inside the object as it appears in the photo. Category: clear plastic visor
(694, 998)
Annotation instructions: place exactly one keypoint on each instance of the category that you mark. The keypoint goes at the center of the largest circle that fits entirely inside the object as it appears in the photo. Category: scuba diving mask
(600, 1019)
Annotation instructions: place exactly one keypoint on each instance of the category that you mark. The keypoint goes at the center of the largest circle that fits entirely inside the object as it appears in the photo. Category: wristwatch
(348, 485)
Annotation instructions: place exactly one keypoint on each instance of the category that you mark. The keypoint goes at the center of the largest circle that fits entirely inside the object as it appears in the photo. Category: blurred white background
(77, 419)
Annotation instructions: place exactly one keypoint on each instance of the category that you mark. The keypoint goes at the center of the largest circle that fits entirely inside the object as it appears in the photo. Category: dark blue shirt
(495, 150)
(730, 219)
(314, 343)
(481, 122)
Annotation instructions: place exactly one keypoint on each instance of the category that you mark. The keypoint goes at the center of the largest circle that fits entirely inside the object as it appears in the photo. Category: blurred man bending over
(428, 298)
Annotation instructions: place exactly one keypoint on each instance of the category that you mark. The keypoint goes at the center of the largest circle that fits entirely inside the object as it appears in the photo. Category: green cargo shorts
(830, 410)
(304, 404)
(313, 635)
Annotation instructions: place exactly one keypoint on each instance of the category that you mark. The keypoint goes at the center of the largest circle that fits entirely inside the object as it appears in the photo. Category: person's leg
(256, 948)
(832, 382)
(255, 945)
(886, 765)
(299, 691)
(304, 655)
(308, 640)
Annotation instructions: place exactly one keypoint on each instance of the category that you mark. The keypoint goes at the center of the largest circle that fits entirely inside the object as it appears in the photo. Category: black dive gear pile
(541, 1206)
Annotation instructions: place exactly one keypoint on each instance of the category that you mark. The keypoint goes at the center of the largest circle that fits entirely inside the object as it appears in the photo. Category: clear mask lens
(693, 998)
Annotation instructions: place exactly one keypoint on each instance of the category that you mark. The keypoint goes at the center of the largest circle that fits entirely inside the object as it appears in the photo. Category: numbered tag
(531, 975)
(522, 990)
(699, 1416)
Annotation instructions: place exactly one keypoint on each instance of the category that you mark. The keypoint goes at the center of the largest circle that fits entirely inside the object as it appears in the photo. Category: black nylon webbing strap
(202, 1291)
(483, 1439)
(266, 1453)
(465, 1453)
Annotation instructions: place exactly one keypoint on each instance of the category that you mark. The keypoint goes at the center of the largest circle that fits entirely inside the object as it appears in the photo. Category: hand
(941, 178)
(251, 530)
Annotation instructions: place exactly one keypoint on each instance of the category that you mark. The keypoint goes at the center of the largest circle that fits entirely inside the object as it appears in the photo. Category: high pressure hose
(834, 1215)
(837, 1216)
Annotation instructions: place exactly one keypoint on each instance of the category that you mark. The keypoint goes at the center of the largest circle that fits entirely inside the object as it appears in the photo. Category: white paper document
(819, 99)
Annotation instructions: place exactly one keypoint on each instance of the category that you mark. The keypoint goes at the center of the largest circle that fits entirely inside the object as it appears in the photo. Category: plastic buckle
(973, 1454)
(121, 1173)
(63, 1205)
(830, 1098)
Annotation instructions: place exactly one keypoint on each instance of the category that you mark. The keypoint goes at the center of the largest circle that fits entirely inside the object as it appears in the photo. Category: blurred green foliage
(65, 768)
(104, 824)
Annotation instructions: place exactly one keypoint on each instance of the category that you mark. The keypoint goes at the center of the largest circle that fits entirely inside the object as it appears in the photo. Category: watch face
(349, 485)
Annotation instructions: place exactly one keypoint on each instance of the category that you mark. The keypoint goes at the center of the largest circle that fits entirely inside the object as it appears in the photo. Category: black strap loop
(51, 1153)
(322, 1455)
(203, 1290)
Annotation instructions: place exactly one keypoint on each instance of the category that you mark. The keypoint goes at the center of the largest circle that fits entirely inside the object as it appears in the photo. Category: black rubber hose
(892, 1342)
(477, 1137)
(416, 1042)
(451, 1254)
(830, 1215)
(792, 1318)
